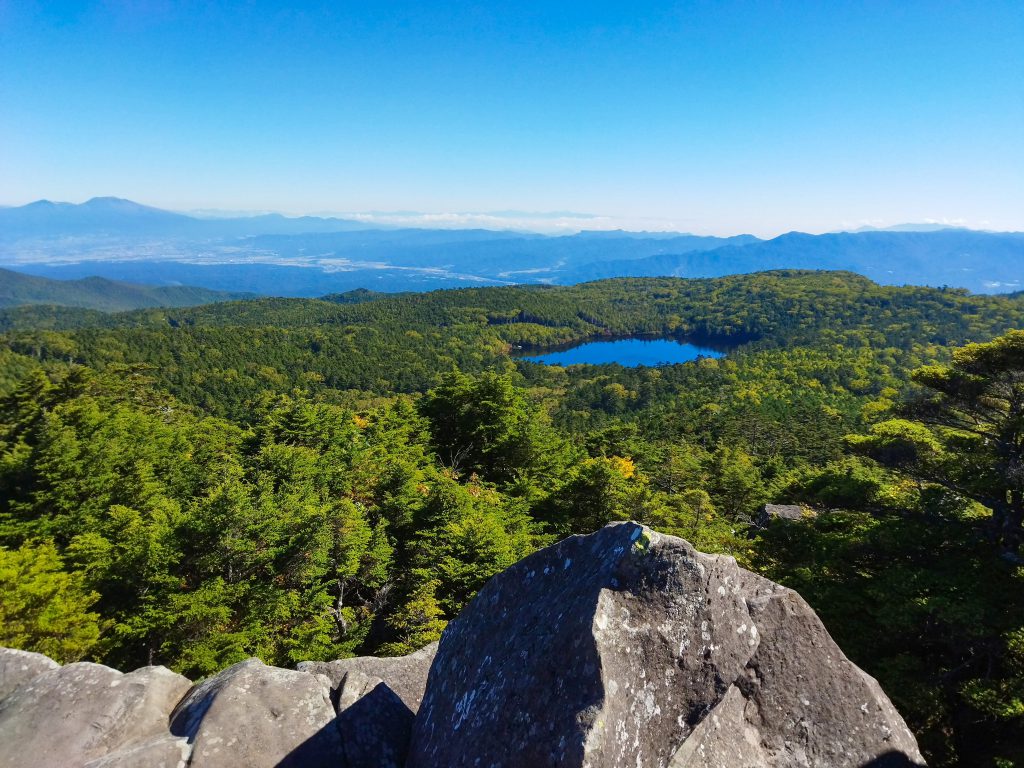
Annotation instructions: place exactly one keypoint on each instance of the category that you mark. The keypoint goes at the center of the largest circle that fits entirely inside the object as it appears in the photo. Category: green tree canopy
(966, 433)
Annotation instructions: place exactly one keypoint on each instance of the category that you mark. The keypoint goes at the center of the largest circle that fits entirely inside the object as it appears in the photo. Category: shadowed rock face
(629, 648)
(374, 723)
(376, 700)
(69, 716)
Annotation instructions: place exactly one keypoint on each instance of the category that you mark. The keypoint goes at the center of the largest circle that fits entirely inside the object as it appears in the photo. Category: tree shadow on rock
(892, 760)
(376, 729)
(321, 750)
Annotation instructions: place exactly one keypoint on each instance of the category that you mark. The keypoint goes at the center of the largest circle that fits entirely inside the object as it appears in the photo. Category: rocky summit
(629, 648)
(621, 648)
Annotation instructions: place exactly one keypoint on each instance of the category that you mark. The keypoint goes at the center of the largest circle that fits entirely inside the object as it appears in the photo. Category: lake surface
(628, 352)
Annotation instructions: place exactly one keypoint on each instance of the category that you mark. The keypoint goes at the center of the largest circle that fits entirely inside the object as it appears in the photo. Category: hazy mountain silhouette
(981, 261)
(114, 216)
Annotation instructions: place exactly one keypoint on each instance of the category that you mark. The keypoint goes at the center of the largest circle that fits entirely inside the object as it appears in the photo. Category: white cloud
(947, 222)
(557, 222)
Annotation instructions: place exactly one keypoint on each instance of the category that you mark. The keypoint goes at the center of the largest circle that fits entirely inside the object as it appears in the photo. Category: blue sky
(708, 117)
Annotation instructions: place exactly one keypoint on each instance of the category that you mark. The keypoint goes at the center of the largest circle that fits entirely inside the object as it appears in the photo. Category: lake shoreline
(628, 351)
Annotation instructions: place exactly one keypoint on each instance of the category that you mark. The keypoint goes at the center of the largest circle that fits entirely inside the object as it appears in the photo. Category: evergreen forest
(302, 479)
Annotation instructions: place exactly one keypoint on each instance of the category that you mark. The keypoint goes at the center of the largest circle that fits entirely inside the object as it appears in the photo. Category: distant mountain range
(99, 293)
(990, 262)
(116, 217)
(311, 256)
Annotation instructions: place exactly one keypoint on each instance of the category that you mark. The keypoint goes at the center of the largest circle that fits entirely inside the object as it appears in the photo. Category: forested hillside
(301, 479)
(101, 294)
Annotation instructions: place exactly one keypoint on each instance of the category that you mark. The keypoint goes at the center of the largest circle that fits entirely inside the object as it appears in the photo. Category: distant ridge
(987, 261)
(357, 296)
(115, 216)
(98, 293)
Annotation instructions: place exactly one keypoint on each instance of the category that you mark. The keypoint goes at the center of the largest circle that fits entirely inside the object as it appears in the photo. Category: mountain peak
(109, 199)
(119, 204)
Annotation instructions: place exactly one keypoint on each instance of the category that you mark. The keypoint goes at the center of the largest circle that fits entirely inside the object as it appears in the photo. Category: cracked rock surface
(161, 752)
(630, 648)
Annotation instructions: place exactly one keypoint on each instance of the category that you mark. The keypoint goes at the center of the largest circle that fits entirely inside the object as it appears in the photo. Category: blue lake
(628, 352)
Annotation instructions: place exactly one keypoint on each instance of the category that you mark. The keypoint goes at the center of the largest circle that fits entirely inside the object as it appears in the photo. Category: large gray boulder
(771, 512)
(19, 667)
(405, 675)
(376, 700)
(255, 716)
(70, 716)
(630, 648)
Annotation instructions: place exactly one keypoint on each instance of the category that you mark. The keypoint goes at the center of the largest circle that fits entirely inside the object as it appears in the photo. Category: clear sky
(709, 117)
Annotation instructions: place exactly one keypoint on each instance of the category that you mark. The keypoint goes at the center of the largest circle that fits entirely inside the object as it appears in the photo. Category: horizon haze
(521, 222)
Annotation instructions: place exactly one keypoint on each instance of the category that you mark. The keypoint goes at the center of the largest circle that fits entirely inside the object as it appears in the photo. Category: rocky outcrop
(376, 700)
(624, 648)
(20, 667)
(251, 715)
(90, 716)
(771, 512)
(629, 648)
(72, 715)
